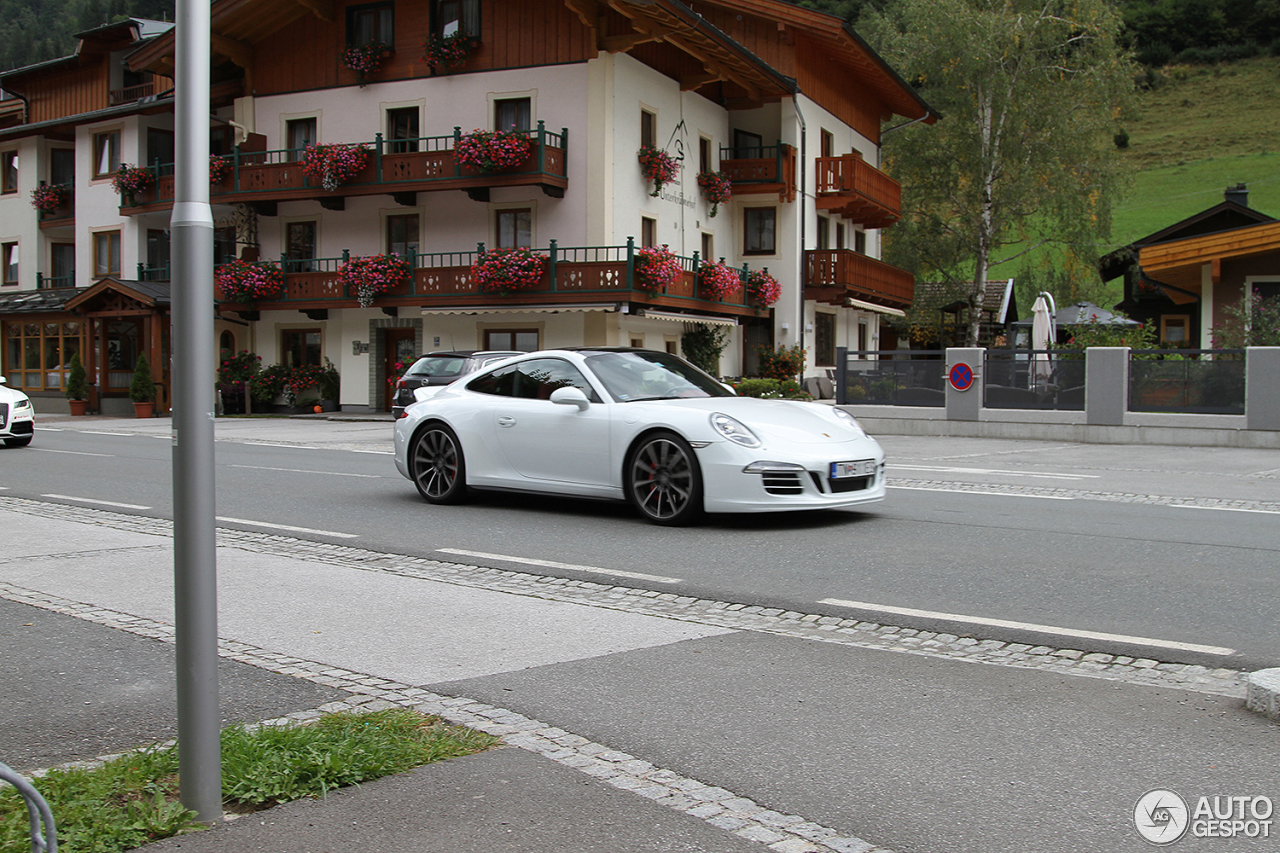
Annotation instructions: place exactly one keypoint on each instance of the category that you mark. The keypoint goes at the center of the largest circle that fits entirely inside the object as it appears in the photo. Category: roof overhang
(708, 319)
(871, 306)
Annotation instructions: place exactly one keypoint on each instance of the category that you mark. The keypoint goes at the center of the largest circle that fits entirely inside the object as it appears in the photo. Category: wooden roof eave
(1206, 248)
(236, 26)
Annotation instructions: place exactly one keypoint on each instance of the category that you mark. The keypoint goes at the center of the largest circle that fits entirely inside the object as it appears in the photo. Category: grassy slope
(1205, 129)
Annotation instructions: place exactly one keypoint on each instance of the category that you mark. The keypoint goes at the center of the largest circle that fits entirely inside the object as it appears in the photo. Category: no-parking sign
(961, 377)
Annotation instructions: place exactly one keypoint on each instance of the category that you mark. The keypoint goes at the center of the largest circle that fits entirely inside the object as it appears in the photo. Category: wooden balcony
(129, 94)
(833, 275)
(856, 190)
(766, 169)
(590, 276)
(401, 168)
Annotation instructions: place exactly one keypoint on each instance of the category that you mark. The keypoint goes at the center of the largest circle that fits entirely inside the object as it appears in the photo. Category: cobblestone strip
(1085, 495)
(717, 806)
(722, 614)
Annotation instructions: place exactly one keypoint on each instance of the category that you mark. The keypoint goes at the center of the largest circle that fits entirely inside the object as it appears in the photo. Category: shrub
(657, 267)
(77, 386)
(235, 369)
(492, 150)
(702, 344)
(771, 389)
(1121, 139)
(142, 389)
(781, 363)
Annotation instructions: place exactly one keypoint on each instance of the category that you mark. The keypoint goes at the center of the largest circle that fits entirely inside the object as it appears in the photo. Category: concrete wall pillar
(965, 405)
(1106, 385)
(1262, 388)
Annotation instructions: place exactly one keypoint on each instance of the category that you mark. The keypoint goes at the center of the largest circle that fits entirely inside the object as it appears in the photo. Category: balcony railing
(858, 191)
(395, 166)
(832, 275)
(129, 94)
(54, 282)
(761, 169)
(572, 275)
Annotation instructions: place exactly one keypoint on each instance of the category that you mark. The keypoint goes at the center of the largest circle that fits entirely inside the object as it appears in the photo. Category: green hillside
(1202, 129)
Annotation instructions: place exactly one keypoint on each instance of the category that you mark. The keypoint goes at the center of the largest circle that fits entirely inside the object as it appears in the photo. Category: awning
(526, 309)
(871, 306)
(709, 319)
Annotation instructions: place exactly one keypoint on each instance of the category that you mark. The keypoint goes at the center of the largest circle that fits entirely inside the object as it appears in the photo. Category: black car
(441, 368)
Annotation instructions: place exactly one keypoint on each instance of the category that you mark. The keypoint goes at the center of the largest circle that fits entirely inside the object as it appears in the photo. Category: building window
(747, 145)
(157, 255)
(402, 129)
(62, 166)
(860, 242)
(514, 229)
(106, 253)
(708, 247)
(1175, 329)
(62, 258)
(759, 227)
(824, 233)
(300, 246)
(704, 154)
(828, 144)
(106, 153)
(637, 343)
(648, 231)
(9, 172)
(839, 235)
(299, 133)
(451, 16)
(10, 252)
(512, 114)
(373, 22)
(648, 129)
(402, 235)
(300, 347)
(37, 356)
(824, 339)
(224, 244)
(520, 340)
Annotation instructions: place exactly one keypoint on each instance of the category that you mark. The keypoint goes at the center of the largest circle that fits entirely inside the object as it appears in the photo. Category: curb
(1262, 693)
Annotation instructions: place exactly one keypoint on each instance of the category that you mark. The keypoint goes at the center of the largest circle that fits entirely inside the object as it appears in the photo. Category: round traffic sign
(961, 377)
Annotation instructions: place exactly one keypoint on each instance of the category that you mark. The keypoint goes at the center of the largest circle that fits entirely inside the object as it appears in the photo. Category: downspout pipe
(804, 218)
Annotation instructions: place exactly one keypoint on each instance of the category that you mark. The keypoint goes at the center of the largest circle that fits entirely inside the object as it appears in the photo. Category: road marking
(288, 527)
(1226, 508)
(552, 564)
(976, 492)
(379, 452)
(102, 432)
(955, 470)
(92, 501)
(72, 452)
(1029, 626)
(307, 471)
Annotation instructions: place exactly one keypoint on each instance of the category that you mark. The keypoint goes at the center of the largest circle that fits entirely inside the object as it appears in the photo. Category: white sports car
(634, 424)
(17, 418)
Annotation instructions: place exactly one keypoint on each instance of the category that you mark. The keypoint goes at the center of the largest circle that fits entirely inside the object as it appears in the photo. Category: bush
(142, 389)
(771, 389)
(77, 388)
(782, 363)
(1122, 139)
(702, 345)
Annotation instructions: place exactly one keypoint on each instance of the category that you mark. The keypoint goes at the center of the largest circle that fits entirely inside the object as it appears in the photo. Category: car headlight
(734, 430)
(22, 404)
(849, 420)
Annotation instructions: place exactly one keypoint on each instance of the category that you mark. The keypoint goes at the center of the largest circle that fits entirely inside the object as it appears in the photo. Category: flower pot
(143, 410)
(78, 407)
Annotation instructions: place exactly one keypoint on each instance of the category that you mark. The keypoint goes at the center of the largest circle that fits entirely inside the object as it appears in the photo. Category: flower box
(657, 268)
(488, 151)
(249, 281)
(716, 188)
(717, 281)
(658, 166)
(366, 277)
(505, 271)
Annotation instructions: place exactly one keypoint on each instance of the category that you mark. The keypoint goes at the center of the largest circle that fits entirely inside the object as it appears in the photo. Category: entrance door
(399, 346)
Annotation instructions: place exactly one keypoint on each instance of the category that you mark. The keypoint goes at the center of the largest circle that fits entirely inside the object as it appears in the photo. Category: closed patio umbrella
(1043, 335)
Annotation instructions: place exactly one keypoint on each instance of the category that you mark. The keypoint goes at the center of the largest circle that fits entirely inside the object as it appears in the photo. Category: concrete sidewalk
(633, 720)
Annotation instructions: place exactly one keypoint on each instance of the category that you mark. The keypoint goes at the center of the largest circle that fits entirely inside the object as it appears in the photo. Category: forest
(34, 31)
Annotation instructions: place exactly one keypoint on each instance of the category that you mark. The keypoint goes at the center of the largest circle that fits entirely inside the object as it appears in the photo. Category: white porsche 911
(636, 425)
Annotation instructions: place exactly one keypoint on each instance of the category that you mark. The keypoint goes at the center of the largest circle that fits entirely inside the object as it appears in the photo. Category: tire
(663, 481)
(437, 465)
(18, 442)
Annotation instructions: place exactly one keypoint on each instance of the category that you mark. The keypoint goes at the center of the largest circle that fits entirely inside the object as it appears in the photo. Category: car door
(550, 442)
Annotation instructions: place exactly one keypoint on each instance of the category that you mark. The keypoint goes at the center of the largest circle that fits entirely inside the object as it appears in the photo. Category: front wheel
(437, 466)
(663, 481)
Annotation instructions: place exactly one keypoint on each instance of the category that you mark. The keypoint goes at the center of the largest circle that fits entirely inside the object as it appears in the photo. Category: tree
(1030, 94)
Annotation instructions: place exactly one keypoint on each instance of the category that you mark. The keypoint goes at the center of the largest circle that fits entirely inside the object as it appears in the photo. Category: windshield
(651, 375)
(452, 366)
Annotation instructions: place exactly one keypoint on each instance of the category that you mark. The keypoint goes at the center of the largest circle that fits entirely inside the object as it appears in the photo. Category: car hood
(774, 421)
(8, 395)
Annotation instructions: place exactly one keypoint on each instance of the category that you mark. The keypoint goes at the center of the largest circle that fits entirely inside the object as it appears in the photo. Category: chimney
(1239, 194)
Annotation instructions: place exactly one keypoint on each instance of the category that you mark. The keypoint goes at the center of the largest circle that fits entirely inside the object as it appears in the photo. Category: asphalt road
(1170, 553)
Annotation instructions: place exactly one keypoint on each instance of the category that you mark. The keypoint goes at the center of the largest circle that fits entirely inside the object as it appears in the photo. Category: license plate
(861, 468)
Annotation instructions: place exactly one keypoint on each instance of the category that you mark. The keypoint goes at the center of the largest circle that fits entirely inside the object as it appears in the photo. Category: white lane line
(92, 501)
(976, 492)
(307, 471)
(1226, 508)
(552, 564)
(1029, 626)
(379, 452)
(289, 528)
(1049, 475)
(103, 432)
(72, 452)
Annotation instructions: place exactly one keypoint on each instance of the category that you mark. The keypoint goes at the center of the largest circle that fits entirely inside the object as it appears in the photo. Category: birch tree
(1031, 92)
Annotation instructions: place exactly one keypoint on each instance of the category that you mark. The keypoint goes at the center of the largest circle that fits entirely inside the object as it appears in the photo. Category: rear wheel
(437, 466)
(663, 481)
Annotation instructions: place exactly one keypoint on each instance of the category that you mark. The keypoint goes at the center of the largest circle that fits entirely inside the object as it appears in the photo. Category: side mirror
(570, 396)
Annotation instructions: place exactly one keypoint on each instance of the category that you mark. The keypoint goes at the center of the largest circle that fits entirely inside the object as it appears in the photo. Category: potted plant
(717, 188)
(444, 53)
(142, 390)
(366, 277)
(333, 165)
(77, 389)
(505, 271)
(658, 166)
(365, 59)
(492, 150)
(330, 385)
(717, 281)
(130, 180)
(47, 198)
(762, 289)
(249, 281)
(657, 267)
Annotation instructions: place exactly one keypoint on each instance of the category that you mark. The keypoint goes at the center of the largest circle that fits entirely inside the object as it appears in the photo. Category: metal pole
(194, 556)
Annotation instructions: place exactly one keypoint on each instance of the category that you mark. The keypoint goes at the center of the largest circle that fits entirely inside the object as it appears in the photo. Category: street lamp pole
(194, 545)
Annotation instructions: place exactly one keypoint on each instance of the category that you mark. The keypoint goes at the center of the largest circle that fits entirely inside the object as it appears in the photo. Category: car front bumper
(795, 480)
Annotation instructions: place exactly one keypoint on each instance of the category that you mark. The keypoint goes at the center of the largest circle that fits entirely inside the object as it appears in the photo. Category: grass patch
(132, 800)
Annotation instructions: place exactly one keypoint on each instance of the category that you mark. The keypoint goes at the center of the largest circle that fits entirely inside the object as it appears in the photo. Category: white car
(17, 418)
(636, 425)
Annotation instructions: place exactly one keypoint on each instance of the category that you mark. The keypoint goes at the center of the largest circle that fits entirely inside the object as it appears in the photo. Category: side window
(500, 383)
(648, 129)
(514, 228)
(536, 379)
(300, 346)
(9, 172)
(402, 129)
(300, 246)
(512, 114)
(301, 132)
(758, 230)
(106, 153)
(372, 22)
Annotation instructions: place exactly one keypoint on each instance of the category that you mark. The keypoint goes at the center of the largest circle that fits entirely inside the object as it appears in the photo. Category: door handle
(506, 421)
